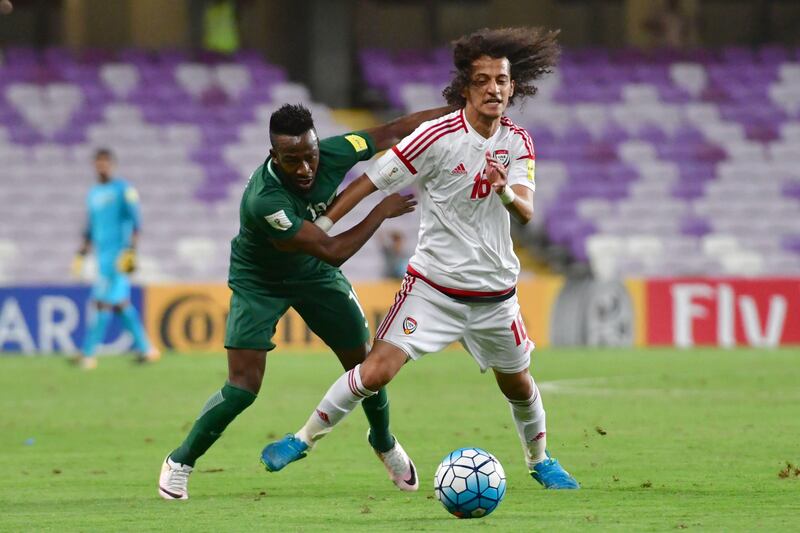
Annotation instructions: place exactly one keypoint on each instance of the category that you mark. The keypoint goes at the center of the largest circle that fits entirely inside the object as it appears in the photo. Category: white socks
(343, 396)
(348, 391)
(530, 420)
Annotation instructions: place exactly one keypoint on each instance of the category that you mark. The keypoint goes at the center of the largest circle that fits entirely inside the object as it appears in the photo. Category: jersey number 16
(481, 189)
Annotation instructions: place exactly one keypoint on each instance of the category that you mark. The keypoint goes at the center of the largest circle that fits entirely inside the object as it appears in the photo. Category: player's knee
(518, 387)
(246, 369)
(250, 381)
(352, 357)
(519, 395)
(374, 376)
(247, 378)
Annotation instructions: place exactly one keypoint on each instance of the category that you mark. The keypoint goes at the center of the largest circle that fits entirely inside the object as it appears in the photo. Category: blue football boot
(277, 455)
(551, 475)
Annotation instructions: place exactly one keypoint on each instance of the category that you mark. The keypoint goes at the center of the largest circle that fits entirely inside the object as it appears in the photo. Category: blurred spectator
(395, 257)
(672, 25)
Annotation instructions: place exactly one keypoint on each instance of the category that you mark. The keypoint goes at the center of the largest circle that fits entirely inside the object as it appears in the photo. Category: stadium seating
(648, 161)
(186, 132)
(649, 164)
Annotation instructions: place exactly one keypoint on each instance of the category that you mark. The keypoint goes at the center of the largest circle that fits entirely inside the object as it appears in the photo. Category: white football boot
(174, 480)
(400, 467)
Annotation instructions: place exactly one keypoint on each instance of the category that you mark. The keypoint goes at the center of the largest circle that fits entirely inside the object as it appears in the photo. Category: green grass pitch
(659, 439)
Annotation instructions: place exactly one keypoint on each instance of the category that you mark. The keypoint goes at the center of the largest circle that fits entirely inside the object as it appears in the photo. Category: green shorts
(329, 307)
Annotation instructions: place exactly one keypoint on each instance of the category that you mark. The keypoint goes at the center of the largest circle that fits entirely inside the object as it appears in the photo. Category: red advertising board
(723, 312)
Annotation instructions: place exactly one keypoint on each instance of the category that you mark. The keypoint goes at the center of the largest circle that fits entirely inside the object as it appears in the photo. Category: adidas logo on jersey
(460, 169)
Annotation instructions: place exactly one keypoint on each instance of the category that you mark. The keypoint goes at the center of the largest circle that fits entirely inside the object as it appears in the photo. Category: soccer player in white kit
(474, 169)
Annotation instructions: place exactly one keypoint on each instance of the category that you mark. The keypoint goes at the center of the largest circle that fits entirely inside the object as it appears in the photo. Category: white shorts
(423, 320)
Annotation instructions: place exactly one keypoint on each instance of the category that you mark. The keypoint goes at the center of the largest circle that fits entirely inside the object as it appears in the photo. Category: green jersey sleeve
(275, 216)
(344, 151)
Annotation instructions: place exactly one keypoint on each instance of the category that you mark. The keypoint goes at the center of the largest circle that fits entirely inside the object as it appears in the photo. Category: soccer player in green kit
(283, 257)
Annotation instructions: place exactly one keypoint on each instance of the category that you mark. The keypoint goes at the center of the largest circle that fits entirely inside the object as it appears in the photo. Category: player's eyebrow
(296, 156)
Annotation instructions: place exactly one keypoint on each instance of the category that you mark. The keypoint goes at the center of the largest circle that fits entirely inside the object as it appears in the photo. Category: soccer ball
(470, 482)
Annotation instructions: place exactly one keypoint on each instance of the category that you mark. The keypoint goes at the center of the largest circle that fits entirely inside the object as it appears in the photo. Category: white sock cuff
(355, 384)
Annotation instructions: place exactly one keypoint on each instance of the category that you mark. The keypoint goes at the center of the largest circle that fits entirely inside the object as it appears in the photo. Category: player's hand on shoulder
(396, 205)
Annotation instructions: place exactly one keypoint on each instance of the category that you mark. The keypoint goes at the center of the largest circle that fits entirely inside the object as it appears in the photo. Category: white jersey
(464, 242)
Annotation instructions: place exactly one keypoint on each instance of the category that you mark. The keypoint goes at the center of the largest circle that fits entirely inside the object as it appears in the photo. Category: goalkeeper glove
(77, 265)
(126, 262)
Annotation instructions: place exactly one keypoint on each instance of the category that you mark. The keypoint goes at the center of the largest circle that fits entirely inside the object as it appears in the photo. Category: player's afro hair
(290, 119)
(532, 53)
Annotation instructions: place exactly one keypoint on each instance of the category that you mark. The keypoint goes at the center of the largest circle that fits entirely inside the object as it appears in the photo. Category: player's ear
(511, 92)
(273, 154)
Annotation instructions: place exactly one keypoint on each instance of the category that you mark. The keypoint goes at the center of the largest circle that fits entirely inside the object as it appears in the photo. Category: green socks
(376, 408)
(219, 411)
(226, 404)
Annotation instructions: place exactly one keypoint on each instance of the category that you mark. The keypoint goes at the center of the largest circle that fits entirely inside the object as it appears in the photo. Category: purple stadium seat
(742, 118)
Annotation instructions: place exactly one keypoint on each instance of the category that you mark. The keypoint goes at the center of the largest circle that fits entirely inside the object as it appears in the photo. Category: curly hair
(531, 52)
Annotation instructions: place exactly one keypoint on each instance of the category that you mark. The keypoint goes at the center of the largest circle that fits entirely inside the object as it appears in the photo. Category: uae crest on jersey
(502, 156)
(409, 325)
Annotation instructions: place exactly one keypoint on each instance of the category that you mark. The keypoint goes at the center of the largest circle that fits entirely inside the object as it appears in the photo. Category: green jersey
(269, 211)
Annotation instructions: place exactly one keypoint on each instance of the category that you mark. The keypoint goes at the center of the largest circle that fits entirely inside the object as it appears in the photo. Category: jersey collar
(476, 137)
(268, 166)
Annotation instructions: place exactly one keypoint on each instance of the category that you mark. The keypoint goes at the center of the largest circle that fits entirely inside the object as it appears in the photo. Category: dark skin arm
(384, 136)
(359, 188)
(521, 208)
(336, 250)
(86, 246)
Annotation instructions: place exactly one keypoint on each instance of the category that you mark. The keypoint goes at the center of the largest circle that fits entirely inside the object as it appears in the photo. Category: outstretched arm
(384, 136)
(387, 135)
(356, 191)
(86, 243)
(86, 246)
(311, 240)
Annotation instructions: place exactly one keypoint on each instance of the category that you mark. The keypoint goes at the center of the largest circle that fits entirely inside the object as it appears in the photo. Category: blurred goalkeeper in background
(112, 228)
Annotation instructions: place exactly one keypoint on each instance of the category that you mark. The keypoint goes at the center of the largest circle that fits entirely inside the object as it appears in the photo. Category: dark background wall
(316, 40)
(278, 26)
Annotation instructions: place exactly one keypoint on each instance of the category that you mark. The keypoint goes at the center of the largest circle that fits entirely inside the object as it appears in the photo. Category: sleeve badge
(359, 143)
(279, 220)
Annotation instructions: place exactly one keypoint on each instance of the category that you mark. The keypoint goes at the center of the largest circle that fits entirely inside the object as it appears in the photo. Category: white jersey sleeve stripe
(412, 149)
(522, 132)
(526, 139)
(528, 146)
(435, 138)
(404, 160)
